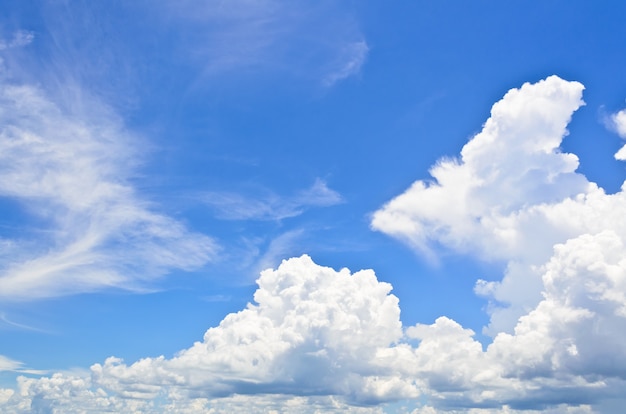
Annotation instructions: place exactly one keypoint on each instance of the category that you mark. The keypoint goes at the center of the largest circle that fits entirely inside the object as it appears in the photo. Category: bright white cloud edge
(337, 335)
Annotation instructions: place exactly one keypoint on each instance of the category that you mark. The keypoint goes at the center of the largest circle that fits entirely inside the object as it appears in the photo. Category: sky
(314, 206)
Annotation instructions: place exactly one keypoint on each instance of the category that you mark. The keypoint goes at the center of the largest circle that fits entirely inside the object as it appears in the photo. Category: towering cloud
(312, 331)
(511, 195)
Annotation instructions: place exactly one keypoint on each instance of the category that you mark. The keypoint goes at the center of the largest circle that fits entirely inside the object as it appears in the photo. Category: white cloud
(314, 331)
(69, 166)
(233, 206)
(7, 364)
(569, 349)
(11, 365)
(513, 164)
(512, 195)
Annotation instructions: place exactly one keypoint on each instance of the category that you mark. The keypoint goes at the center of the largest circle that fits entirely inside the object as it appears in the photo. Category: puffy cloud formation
(317, 339)
(511, 196)
(483, 202)
(68, 161)
(313, 331)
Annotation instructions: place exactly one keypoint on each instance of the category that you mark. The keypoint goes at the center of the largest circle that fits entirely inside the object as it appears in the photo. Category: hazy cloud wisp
(72, 172)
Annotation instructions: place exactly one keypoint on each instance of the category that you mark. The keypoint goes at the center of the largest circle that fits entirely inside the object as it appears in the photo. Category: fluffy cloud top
(513, 164)
(512, 195)
(312, 331)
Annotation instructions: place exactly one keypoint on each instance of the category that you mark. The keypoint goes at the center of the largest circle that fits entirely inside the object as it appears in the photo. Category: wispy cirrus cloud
(19, 38)
(4, 320)
(11, 365)
(270, 206)
(312, 40)
(69, 167)
(348, 63)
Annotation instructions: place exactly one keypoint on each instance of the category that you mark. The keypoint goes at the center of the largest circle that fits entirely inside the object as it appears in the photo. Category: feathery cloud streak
(315, 40)
(233, 206)
(72, 168)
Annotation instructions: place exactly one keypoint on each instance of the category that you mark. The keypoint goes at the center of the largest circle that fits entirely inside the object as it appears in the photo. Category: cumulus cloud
(270, 206)
(510, 196)
(68, 165)
(513, 195)
(332, 340)
(311, 331)
(569, 349)
(320, 339)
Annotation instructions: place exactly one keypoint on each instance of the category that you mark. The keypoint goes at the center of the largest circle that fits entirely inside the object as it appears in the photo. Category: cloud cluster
(69, 165)
(312, 331)
(320, 339)
(511, 196)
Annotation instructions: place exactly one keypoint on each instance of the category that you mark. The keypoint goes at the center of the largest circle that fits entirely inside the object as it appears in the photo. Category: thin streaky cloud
(307, 40)
(11, 365)
(8, 364)
(279, 247)
(19, 38)
(4, 319)
(351, 58)
(69, 166)
(269, 206)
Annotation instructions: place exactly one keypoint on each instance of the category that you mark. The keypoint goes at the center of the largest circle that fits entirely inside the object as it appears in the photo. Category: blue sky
(462, 159)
